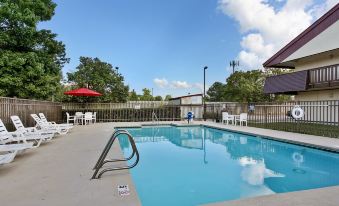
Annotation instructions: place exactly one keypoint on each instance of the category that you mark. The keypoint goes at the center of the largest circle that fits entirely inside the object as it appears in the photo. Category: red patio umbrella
(82, 92)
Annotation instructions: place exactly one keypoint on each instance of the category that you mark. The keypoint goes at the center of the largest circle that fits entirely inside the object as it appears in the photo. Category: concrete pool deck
(59, 172)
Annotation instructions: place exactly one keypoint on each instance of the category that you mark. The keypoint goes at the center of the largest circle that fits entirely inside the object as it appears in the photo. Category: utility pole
(204, 96)
(234, 64)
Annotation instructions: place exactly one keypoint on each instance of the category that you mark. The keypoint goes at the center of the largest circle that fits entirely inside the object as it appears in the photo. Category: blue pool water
(199, 165)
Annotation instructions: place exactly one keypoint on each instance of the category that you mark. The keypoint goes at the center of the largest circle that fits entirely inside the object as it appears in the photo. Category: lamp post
(233, 64)
(204, 96)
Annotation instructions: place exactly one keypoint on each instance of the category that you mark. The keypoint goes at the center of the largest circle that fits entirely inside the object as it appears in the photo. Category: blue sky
(162, 44)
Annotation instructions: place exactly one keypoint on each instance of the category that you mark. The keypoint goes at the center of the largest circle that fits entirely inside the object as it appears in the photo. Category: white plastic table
(235, 117)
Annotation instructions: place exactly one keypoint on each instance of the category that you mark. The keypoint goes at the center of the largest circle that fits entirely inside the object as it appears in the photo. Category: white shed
(188, 103)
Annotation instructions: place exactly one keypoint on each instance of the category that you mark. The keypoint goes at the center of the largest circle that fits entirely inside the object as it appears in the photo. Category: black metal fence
(319, 118)
(107, 113)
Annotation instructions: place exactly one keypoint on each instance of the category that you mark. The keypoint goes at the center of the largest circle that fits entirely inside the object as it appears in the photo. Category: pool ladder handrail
(155, 117)
(101, 161)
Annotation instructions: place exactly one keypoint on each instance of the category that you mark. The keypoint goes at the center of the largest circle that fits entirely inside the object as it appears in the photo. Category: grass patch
(303, 128)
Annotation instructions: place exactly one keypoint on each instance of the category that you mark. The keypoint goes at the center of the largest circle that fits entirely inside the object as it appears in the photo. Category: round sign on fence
(297, 112)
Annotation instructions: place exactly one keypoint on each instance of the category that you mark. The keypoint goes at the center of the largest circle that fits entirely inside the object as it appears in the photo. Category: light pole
(204, 96)
(233, 64)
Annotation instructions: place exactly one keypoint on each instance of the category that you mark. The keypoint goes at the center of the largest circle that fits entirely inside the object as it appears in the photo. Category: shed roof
(191, 95)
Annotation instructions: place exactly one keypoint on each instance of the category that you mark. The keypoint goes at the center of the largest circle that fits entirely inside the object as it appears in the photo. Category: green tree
(158, 98)
(30, 59)
(101, 77)
(245, 86)
(133, 96)
(217, 92)
(146, 95)
(168, 97)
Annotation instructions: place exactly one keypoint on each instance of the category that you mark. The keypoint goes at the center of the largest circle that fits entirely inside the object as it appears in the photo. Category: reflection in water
(255, 172)
(243, 140)
(298, 158)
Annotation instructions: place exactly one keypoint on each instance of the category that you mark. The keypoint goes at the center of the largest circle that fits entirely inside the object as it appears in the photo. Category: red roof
(82, 92)
(312, 31)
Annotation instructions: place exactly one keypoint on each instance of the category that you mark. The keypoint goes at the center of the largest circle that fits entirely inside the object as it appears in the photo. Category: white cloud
(162, 83)
(267, 29)
(199, 86)
(180, 85)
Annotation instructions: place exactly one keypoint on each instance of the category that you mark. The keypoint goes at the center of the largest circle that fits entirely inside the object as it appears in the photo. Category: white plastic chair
(226, 118)
(7, 158)
(18, 148)
(70, 118)
(242, 119)
(94, 117)
(61, 126)
(31, 133)
(79, 116)
(50, 128)
(14, 137)
(88, 117)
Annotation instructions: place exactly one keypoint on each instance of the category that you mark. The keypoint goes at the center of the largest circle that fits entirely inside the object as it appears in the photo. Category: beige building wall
(316, 61)
(318, 95)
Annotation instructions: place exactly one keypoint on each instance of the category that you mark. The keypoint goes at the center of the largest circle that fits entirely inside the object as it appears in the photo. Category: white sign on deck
(123, 190)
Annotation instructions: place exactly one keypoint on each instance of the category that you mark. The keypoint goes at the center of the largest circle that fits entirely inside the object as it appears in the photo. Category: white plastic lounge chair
(7, 158)
(62, 126)
(46, 127)
(242, 119)
(31, 133)
(17, 137)
(70, 118)
(88, 117)
(16, 147)
(226, 118)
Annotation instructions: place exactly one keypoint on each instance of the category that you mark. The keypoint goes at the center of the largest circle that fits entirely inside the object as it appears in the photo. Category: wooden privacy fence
(25, 107)
(126, 112)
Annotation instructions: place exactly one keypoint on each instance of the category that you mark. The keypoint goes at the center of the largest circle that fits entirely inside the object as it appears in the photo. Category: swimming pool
(200, 165)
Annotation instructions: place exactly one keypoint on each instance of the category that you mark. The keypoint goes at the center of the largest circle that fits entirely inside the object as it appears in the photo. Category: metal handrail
(102, 156)
(154, 116)
(101, 161)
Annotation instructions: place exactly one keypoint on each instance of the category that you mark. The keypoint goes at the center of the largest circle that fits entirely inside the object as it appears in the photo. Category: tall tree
(146, 95)
(245, 86)
(168, 97)
(158, 98)
(30, 59)
(133, 96)
(217, 92)
(100, 76)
